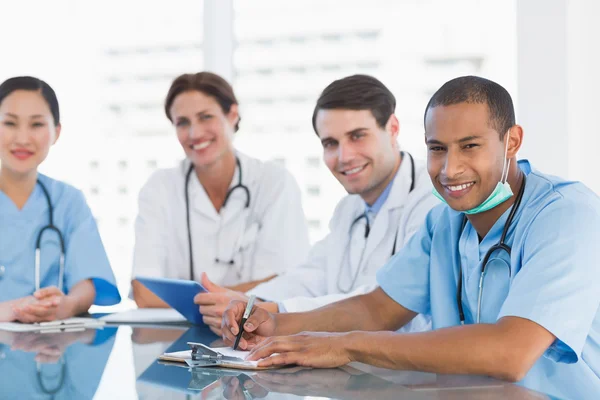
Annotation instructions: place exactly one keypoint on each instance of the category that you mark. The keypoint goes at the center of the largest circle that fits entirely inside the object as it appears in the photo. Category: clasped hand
(47, 304)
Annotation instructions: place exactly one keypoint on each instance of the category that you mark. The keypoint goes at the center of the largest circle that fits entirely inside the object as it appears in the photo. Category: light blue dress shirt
(552, 276)
(374, 209)
(85, 256)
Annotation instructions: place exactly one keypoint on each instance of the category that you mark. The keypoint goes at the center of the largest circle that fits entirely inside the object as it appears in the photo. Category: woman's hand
(50, 304)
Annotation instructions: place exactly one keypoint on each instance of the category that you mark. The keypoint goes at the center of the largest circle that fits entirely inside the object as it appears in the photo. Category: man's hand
(259, 325)
(51, 304)
(307, 349)
(213, 304)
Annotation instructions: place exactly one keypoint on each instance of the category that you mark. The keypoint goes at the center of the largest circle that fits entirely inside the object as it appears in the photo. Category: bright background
(112, 62)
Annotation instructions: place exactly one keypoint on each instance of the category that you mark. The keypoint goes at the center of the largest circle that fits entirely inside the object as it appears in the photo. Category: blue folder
(177, 293)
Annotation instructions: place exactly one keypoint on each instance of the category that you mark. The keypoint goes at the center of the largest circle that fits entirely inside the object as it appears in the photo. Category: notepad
(235, 359)
(69, 324)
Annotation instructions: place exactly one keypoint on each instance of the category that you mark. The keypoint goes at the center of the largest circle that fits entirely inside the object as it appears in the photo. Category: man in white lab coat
(389, 195)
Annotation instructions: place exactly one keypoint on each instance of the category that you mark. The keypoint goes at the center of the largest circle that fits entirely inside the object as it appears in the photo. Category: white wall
(559, 83)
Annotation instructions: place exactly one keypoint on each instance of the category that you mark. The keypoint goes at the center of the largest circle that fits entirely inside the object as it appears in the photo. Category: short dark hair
(357, 92)
(477, 90)
(206, 82)
(35, 85)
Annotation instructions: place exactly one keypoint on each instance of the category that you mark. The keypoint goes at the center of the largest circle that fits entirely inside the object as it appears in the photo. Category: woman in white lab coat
(218, 212)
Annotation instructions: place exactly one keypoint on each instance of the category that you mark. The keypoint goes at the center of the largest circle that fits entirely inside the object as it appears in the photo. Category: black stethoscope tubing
(368, 229)
(239, 185)
(501, 245)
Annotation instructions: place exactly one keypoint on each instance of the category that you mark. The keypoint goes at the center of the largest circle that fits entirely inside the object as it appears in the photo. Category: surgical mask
(501, 193)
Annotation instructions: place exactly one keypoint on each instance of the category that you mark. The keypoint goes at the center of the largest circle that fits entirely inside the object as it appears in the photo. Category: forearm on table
(480, 349)
(246, 286)
(6, 313)
(363, 313)
(144, 298)
(81, 297)
(270, 306)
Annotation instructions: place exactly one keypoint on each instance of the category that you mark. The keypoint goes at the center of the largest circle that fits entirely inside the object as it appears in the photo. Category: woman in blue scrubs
(52, 261)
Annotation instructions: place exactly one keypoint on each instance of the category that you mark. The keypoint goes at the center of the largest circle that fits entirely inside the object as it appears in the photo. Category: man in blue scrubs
(537, 302)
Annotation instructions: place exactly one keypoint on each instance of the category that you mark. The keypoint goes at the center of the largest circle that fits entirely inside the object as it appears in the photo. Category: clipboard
(63, 325)
(201, 356)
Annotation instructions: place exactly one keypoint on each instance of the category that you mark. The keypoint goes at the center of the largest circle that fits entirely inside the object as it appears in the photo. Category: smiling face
(465, 155)
(204, 131)
(358, 152)
(27, 131)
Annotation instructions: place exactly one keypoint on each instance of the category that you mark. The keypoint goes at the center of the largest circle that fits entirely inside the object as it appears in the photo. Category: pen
(244, 318)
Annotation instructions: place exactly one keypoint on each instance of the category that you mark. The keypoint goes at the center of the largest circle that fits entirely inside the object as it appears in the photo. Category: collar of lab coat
(200, 202)
(396, 200)
(399, 191)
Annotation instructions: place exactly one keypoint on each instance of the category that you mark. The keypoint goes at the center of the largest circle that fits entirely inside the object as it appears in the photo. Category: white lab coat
(315, 283)
(275, 235)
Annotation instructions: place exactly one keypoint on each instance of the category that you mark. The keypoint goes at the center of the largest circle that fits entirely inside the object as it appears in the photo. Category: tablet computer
(177, 293)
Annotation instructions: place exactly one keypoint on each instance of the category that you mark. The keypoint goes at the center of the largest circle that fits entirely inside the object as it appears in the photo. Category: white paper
(145, 315)
(229, 352)
(65, 324)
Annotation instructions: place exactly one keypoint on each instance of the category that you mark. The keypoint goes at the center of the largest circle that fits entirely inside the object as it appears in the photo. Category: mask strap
(506, 163)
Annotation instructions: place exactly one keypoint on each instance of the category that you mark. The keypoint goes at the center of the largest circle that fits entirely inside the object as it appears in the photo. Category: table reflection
(67, 365)
(84, 365)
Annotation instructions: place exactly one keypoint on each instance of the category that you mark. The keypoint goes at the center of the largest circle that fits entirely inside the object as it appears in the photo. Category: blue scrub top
(85, 257)
(552, 276)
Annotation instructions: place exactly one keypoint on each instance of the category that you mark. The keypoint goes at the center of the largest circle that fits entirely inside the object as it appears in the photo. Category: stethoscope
(239, 185)
(38, 244)
(61, 272)
(500, 246)
(62, 375)
(365, 216)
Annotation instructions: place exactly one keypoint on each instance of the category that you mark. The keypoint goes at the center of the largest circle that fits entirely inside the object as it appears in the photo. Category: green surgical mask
(501, 193)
